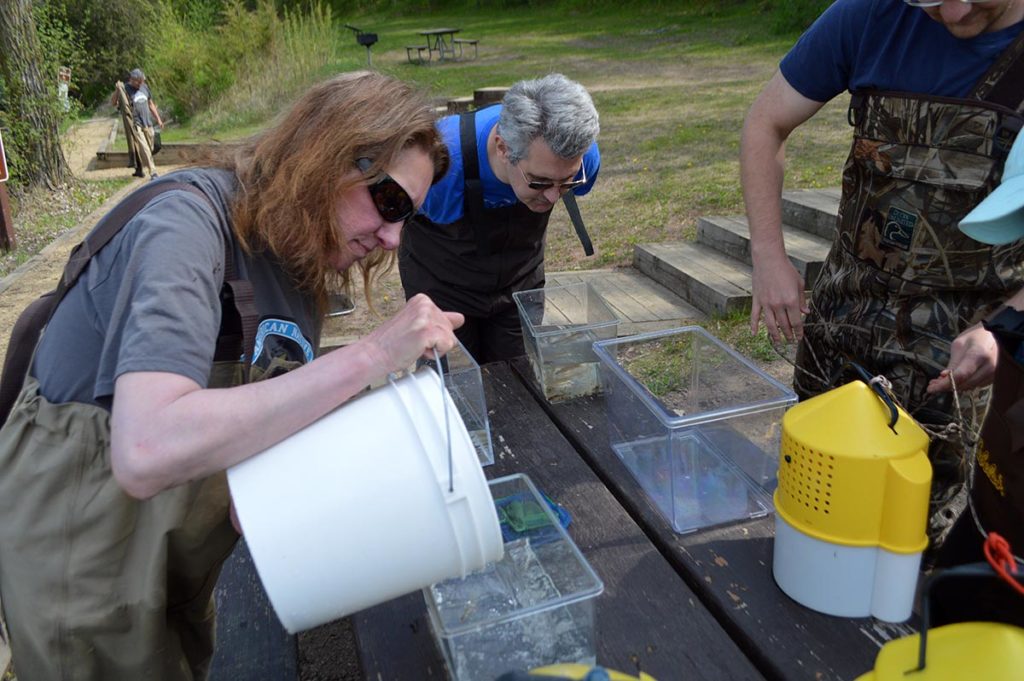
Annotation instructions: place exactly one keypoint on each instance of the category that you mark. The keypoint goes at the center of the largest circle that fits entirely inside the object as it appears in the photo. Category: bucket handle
(969, 571)
(447, 421)
(447, 418)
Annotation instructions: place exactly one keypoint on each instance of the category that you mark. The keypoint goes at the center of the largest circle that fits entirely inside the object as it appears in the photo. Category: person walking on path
(136, 98)
(936, 104)
(189, 344)
(480, 235)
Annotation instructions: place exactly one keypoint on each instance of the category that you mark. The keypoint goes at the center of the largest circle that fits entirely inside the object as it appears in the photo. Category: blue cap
(999, 218)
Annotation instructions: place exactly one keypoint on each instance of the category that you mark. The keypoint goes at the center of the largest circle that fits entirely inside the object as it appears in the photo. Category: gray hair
(137, 73)
(554, 108)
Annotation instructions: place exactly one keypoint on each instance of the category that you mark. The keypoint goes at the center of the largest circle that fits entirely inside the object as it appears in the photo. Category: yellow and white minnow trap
(851, 504)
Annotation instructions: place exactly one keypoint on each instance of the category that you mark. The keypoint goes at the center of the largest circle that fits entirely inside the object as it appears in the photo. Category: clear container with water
(697, 424)
(560, 324)
(533, 607)
(466, 387)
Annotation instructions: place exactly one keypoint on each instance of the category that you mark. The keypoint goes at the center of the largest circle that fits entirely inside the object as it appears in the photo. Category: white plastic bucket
(354, 509)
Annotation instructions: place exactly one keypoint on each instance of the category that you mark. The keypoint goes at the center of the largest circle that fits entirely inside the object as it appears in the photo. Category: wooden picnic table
(700, 606)
(646, 618)
(440, 40)
(696, 606)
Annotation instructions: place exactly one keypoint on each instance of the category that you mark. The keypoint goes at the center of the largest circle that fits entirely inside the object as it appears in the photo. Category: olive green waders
(95, 584)
(901, 281)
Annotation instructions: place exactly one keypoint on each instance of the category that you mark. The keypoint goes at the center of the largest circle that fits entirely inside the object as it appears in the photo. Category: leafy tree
(113, 36)
(30, 107)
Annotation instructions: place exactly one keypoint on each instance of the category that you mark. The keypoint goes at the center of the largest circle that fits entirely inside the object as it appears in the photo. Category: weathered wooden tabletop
(697, 606)
(729, 567)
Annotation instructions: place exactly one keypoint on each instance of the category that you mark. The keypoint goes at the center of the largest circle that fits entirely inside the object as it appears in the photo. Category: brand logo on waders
(899, 228)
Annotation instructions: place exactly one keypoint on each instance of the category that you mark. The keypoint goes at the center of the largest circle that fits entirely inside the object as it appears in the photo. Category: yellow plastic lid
(847, 478)
(580, 671)
(966, 650)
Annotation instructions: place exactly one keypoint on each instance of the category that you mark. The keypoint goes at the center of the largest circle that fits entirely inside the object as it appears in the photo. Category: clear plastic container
(465, 385)
(532, 608)
(560, 323)
(696, 424)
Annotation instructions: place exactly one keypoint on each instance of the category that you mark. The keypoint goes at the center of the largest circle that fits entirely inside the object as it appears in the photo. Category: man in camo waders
(936, 104)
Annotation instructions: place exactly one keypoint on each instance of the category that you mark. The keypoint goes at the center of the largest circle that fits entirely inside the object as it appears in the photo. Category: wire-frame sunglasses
(391, 200)
(539, 186)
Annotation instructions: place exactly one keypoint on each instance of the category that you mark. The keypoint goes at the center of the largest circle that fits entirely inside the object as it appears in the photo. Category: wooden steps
(713, 273)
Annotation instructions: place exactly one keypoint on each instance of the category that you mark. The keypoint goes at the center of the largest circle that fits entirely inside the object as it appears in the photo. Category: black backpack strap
(1001, 84)
(237, 336)
(238, 310)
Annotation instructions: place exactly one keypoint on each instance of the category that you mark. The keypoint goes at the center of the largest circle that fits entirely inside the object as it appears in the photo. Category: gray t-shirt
(150, 301)
(139, 97)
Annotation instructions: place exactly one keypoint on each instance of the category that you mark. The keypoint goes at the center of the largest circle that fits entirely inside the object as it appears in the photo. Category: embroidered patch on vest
(898, 229)
(989, 468)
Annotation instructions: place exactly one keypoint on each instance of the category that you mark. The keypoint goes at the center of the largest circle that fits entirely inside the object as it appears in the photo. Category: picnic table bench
(462, 42)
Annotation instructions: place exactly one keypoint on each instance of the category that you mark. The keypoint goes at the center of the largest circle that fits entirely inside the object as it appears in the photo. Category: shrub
(197, 63)
(794, 16)
(112, 40)
(299, 51)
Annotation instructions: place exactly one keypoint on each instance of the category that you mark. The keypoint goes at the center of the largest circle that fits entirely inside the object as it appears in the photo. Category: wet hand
(972, 362)
(778, 299)
(414, 332)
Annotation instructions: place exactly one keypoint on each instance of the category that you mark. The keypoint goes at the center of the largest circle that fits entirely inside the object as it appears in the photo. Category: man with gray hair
(479, 236)
(135, 98)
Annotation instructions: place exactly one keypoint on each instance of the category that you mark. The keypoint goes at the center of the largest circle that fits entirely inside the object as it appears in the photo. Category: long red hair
(292, 174)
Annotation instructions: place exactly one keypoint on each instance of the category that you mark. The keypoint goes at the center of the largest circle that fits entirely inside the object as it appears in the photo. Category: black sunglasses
(538, 186)
(392, 201)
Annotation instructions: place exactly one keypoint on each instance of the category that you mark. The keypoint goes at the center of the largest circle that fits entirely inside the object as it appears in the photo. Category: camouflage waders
(901, 281)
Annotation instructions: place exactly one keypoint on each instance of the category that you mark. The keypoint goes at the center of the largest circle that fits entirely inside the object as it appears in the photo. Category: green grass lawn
(671, 84)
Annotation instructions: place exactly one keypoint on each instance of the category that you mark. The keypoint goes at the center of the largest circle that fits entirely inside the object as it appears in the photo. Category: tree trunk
(32, 107)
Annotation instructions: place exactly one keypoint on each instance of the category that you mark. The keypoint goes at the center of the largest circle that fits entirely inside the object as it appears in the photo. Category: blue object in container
(522, 517)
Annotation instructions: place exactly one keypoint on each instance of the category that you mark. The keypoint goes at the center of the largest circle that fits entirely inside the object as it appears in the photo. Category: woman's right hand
(414, 332)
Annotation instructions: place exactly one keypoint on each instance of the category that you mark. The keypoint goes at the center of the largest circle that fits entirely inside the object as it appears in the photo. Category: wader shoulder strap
(473, 198)
(1001, 84)
(473, 201)
(569, 199)
(238, 314)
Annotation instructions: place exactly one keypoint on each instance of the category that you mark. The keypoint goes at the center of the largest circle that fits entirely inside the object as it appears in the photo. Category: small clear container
(532, 608)
(340, 304)
(465, 385)
(697, 424)
(560, 323)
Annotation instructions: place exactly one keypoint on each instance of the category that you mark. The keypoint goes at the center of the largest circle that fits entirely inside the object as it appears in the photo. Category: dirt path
(40, 273)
